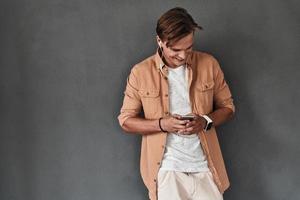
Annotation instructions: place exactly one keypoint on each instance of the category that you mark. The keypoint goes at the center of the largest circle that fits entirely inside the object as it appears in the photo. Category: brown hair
(175, 24)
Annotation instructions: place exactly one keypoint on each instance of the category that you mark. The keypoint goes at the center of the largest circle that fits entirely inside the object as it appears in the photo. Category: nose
(182, 54)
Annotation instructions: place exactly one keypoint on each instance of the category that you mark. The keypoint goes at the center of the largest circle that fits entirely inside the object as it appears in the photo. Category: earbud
(159, 44)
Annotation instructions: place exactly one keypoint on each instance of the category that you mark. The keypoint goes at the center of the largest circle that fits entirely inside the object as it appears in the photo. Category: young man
(180, 155)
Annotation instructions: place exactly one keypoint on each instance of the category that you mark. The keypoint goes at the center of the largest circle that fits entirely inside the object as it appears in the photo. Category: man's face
(176, 54)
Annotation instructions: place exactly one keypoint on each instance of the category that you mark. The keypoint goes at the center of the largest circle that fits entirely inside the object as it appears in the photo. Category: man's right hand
(173, 123)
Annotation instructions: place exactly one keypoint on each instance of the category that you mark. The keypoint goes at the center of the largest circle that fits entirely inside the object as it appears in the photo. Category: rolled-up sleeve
(222, 94)
(132, 102)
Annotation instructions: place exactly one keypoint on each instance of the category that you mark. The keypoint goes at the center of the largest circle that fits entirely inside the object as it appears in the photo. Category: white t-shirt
(183, 152)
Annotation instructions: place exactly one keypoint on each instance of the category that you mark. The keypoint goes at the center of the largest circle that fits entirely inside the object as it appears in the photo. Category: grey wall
(63, 67)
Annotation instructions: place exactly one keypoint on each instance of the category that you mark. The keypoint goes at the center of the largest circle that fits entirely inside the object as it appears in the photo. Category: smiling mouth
(180, 60)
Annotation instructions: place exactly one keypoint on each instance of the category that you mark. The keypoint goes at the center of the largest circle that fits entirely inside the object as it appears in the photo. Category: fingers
(190, 123)
(187, 131)
(177, 120)
(190, 130)
(180, 124)
(179, 127)
(172, 123)
(185, 127)
(176, 116)
(191, 127)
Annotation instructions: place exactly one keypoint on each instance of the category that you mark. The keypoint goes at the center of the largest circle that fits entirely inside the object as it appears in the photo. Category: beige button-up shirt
(147, 89)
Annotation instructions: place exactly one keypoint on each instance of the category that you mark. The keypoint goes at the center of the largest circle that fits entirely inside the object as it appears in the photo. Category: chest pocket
(203, 97)
(151, 102)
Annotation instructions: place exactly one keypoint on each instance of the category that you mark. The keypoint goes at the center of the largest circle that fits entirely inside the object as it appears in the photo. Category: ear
(158, 41)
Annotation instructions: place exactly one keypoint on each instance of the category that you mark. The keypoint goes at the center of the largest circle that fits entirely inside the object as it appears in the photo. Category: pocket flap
(206, 86)
(149, 93)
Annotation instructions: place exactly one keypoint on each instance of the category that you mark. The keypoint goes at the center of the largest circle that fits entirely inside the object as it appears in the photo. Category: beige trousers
(174, 185)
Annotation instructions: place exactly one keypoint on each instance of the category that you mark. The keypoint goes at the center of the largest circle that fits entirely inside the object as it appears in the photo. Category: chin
(177, 63)
(180, 63)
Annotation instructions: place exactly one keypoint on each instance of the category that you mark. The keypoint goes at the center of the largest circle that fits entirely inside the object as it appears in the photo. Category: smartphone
(188, 117)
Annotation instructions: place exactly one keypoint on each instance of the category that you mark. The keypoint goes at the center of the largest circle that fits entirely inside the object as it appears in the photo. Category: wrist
(160, 125)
